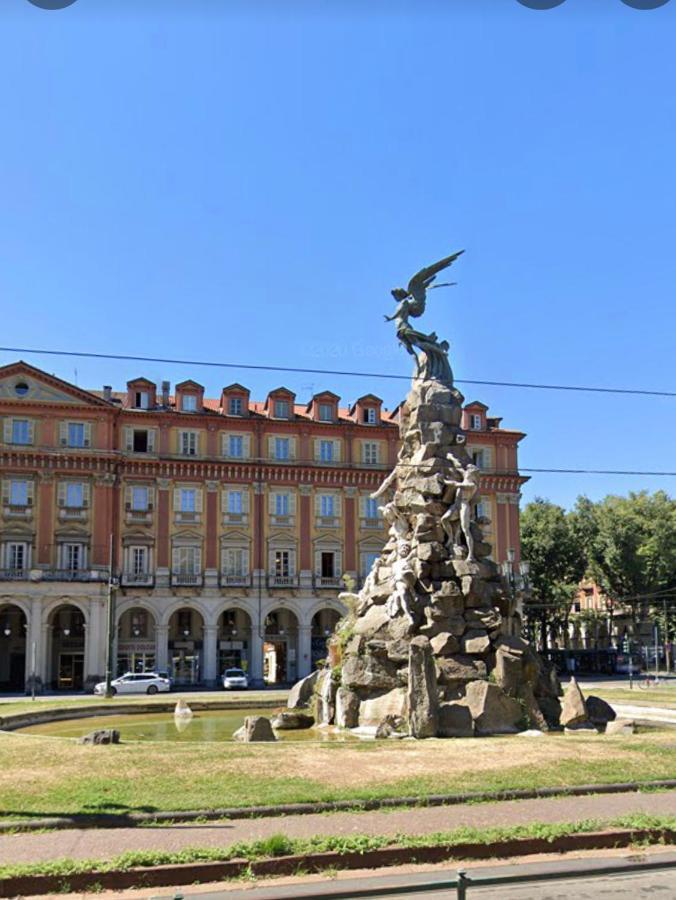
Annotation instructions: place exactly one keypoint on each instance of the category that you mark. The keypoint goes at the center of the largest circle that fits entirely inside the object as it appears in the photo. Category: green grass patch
(281, 845)
(52, 777)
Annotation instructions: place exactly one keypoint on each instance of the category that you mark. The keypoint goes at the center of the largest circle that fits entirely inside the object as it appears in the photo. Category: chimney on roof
(107, 392)
(166, 387)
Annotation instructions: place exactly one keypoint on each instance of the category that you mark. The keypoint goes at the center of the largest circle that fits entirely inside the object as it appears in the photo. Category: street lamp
(516, 578)
(8, 631)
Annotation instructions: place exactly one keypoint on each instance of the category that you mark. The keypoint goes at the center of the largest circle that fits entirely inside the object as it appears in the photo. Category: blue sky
(218, 180)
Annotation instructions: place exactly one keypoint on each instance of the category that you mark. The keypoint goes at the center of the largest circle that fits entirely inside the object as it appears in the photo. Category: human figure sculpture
(461, 509)
(404, 577)
(433, 359)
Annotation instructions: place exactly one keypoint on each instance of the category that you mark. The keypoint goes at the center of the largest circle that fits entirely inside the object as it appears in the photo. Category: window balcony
(328, 581)
(13, 574)
(194, 517)
(229, 580)
(282, 580)
(139, 516)
(69, 575)
(138, 579)
(235, 518)
(369, 524)
(281, 520)
(327, 521)
(186, 579)
(15, 511)
(71, 513)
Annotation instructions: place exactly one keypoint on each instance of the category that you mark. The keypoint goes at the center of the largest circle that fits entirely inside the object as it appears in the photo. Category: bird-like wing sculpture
(418, 285)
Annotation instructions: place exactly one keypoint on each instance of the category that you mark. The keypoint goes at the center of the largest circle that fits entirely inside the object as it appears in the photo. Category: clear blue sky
(219, 180)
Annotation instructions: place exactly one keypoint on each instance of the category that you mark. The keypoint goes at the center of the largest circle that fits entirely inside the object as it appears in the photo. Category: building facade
(228, 524)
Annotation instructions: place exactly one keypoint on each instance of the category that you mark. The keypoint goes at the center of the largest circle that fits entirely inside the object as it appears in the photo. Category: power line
(303, 371)
(597, 472)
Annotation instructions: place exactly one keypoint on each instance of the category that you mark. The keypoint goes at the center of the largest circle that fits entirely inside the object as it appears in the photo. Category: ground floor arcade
(61, 640)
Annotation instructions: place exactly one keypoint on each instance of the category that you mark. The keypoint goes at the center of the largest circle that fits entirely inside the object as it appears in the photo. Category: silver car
(136, 683)
(235, 680)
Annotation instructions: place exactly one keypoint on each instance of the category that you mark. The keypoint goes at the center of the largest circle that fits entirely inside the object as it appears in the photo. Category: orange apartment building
(228, 523)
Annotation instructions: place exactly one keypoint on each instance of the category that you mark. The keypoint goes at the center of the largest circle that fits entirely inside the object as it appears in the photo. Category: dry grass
(51, 775)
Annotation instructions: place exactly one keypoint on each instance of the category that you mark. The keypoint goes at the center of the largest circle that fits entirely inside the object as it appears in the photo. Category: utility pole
(110, 629)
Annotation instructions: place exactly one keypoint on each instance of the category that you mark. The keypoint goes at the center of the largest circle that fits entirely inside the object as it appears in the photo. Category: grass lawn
(51, 776)
(659, 696)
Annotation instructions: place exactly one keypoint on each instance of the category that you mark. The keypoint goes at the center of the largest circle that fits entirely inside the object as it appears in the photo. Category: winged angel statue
(432, 358)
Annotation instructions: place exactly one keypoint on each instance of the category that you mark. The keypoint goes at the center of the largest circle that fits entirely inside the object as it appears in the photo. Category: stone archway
(136, 641)
(186, 647)
(13, 625)
(234, 636)
(280, 646)
(68, 647)
(323, 626)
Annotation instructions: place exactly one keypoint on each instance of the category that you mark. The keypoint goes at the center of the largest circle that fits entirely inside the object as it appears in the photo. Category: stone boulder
(574, 710)
(422, 689)
(391, 726)
(290, 720)
(368, 672)
(620, 726)
(460, 669)
(255, 728)
(492, 710)
(301, 693)
(347, 708)
(373, 710)
(102, 736)
(599, 712)
(455, 720)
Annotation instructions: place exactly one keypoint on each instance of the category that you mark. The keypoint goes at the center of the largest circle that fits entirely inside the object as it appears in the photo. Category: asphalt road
(585, 886)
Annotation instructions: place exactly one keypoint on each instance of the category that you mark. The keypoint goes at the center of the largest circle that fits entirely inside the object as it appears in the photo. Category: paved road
(106, 843)
(620, 885)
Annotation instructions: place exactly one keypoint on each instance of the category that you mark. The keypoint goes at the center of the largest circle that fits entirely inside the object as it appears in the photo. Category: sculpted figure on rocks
(460, 511)
(428, 628)
(405, 578)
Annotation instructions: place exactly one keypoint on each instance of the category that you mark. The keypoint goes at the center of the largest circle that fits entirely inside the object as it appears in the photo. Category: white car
(235, 679)
(136, 683)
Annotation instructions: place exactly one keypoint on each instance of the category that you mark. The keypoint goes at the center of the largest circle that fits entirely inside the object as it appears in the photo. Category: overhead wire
(348, 373)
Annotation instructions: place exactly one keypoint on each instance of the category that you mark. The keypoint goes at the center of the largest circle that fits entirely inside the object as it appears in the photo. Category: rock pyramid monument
(431, 645)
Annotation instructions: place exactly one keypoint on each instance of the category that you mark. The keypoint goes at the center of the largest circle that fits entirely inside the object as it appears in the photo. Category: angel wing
(418, 285)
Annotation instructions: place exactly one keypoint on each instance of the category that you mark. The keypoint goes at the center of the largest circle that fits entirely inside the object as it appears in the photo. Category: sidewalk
(106, 843)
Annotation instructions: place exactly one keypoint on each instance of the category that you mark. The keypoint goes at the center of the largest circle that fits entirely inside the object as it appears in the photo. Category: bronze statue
(432, 361)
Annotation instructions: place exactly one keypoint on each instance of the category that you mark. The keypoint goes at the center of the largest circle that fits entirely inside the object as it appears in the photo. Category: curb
(132, 820)
(192, 873)
(16, 721)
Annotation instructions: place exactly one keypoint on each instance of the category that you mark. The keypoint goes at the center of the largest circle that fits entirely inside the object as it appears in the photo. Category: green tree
(557, 564)
(630, 543)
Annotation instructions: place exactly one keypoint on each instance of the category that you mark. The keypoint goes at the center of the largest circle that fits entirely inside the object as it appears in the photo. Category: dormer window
(141, 400)
(475, 422)
(189, 403)
(281, 409)
(326, 412)
(235, 406)
(370, 416)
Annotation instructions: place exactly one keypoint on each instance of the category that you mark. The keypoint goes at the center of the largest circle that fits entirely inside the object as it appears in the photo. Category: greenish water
(218, 725)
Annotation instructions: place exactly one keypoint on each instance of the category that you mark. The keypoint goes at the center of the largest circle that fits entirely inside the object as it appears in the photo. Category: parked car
(235, 679)
(136, 683)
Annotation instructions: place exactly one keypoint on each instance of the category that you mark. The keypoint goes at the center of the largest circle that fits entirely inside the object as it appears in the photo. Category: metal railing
(138, 579)
(70, 575)
(186, 579)
(282, 580)
(13, 574)
(324, 581)
(235, 580)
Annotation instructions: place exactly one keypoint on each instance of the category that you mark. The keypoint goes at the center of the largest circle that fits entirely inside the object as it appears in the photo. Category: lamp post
(516, 578)
(110, 627)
